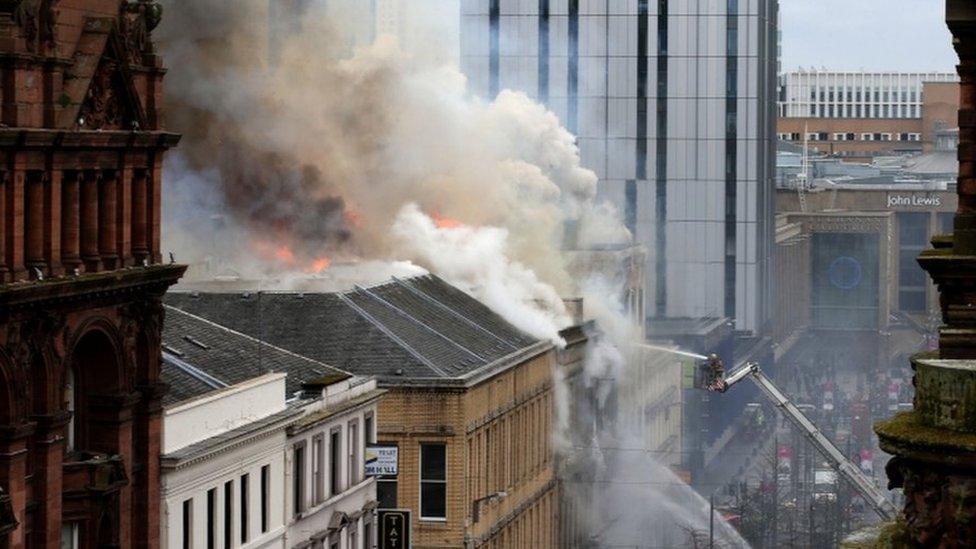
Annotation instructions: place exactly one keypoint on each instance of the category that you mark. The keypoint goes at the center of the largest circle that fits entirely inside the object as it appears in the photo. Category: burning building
(81, 277)
(469, 407)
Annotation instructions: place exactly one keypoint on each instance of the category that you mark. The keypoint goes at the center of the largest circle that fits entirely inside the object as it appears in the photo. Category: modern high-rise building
(673, 104)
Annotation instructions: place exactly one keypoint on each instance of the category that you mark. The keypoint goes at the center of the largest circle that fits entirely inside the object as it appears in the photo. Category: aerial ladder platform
(715, 380)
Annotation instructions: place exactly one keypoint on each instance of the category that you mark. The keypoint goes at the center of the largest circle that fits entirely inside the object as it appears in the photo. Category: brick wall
(497, 435)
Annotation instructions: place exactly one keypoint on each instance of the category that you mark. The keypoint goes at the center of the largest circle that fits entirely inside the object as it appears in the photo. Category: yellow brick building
(495, 429)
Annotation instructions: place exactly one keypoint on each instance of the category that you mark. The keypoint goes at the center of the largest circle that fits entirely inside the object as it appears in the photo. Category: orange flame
(318, 265)
(284, 254)
(442, 222)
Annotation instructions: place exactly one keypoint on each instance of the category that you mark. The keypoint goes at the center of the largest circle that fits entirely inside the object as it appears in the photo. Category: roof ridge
(396, 339)
(258, 341)
(421, 324)
(424, 295)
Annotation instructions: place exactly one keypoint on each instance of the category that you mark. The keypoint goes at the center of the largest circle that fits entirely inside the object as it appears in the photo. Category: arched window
(95, 373)
(69, 406)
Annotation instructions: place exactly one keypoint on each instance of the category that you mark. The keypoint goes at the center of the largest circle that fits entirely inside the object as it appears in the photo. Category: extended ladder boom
(874, 495)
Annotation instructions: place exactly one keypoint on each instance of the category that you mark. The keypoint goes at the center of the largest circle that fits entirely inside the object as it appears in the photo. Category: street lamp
(476, 504)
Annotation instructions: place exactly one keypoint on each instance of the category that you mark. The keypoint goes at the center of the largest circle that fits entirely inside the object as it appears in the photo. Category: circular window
(845, 273)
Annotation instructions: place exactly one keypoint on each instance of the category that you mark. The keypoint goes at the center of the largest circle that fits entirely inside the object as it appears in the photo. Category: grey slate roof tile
(191, 342)
(422, 326)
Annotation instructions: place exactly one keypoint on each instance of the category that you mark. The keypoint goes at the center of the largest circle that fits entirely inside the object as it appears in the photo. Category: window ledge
(349, 491)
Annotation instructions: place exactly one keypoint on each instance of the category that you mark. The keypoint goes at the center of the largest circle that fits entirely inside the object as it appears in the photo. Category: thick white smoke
(317, 150)
(339, 154)
(479, 261)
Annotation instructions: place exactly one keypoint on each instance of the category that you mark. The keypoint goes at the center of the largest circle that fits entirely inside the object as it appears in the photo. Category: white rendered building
(224, 467)
(261, 447)
(827, 94)
(673, 103)
(330, 500)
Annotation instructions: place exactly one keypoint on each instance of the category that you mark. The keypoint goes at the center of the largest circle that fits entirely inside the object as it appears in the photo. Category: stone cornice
(134, 281)
(40, 138)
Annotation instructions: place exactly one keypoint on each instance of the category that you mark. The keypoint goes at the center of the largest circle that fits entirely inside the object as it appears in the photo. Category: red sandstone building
(81, 277)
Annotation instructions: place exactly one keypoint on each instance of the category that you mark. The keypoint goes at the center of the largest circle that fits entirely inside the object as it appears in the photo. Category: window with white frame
(265, 497)
(228, 514)
(318, 469)
(369, 429)
(212, 518)
(244, 494)
(354, 465)
(433, 481)
(187, 524)
(298, 478)
(335, 461)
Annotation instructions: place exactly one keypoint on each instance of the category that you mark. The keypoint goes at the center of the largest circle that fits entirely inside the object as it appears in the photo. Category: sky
(874, 35)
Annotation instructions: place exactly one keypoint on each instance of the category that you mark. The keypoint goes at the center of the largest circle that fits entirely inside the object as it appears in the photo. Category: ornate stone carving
(30, 344)
(102, 107)
(36, 17)
(138, 19)
(143, 318)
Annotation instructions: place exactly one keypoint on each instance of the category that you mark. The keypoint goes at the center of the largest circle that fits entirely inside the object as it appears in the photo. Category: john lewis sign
(914, 200)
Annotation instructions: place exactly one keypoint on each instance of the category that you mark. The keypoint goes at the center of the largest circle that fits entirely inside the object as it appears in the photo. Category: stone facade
(80, 277)
(792, 278)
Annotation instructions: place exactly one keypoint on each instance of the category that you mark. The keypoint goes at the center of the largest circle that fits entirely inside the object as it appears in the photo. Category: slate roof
(200, 356)
(421, 326)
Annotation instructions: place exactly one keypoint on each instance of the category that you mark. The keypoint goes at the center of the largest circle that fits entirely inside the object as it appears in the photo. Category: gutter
(473, 377)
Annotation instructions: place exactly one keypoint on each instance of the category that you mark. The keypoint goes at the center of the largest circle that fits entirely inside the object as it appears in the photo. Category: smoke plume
(304, 147)
(318, 150)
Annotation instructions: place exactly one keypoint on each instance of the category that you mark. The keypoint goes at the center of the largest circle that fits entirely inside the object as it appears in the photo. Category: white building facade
(244, 469)
(827, 94)
(330, 500)
(673, 103)
(223, 468)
